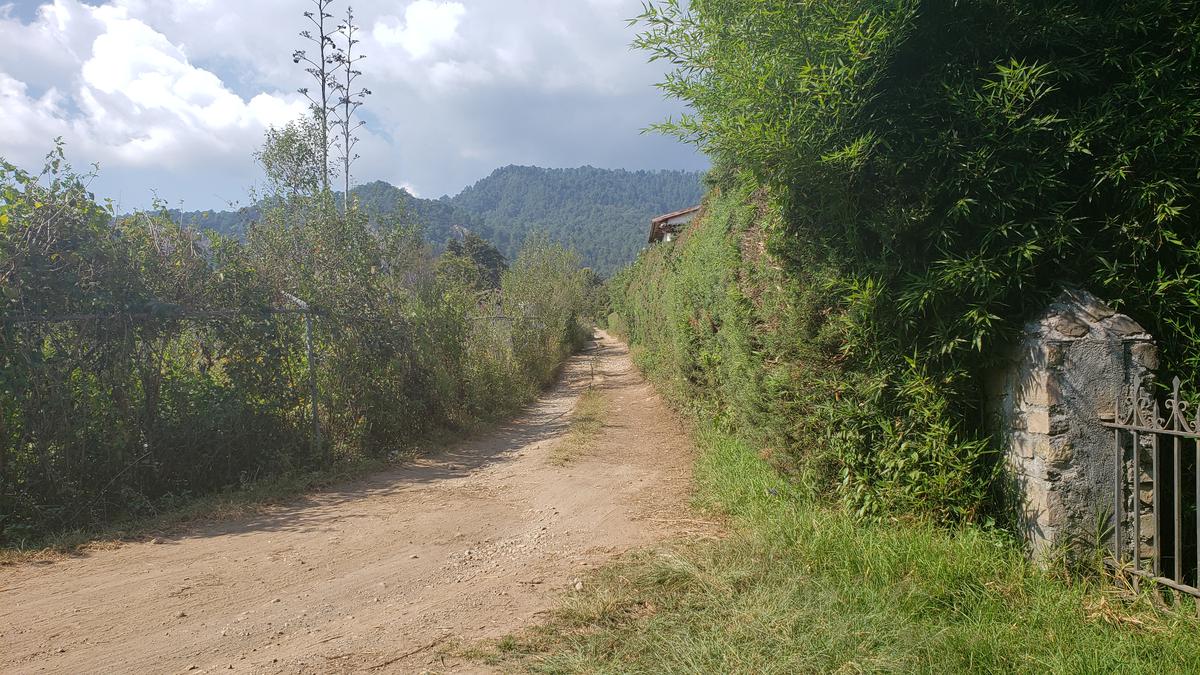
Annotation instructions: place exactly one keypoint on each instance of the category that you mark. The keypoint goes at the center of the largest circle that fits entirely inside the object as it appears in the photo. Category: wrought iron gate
(1157, 489)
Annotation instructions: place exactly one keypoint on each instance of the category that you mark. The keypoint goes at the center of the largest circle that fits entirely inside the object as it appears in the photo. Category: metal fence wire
(99, 412)
(1157, 492)
(112, 414)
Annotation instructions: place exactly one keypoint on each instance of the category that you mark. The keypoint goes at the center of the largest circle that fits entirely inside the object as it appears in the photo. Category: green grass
(587, 419)
(796, 587)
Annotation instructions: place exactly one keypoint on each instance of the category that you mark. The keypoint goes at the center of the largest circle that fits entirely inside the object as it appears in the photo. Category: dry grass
(587, 420)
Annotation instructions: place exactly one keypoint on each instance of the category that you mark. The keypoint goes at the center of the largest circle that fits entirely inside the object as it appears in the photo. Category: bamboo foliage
(934, 172)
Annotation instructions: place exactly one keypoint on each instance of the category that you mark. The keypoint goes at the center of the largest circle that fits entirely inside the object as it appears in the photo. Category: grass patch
(802, 588)
(587, 420)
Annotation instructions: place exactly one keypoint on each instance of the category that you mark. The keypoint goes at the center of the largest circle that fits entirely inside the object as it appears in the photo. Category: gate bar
(1157, 506)
(1137, 504)
(1178, 531)
(1120, 494)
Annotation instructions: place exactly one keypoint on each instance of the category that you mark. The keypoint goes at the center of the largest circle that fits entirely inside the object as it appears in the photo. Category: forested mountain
(438, 218)
(232, 222)
(384, 202)
(602, 213)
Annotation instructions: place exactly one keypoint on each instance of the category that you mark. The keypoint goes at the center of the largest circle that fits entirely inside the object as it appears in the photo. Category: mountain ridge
(601, 213)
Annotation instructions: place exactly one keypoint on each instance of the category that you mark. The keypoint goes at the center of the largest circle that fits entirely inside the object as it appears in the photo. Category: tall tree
(349, 100)
(487, 258)
(474, 261)
(323, 67)
(291, 158)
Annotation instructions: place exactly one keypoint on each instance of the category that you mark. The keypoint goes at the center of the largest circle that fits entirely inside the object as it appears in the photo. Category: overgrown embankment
(790, 359)
(900, 185)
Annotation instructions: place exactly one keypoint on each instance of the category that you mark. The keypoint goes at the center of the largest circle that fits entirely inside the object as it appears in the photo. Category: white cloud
(164, 104)
(454, 74)
(131, 99)
(46, 51)
(28, 123)
(175, 94)
(427, 25)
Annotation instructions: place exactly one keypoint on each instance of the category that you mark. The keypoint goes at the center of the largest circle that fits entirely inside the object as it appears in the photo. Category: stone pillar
(1047, 407)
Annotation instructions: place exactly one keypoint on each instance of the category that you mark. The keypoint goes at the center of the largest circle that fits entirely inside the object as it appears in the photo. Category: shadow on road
(546, 418)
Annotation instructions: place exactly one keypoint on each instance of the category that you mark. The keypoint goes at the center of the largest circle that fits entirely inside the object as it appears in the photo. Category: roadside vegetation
(898, 186)
(144, 364)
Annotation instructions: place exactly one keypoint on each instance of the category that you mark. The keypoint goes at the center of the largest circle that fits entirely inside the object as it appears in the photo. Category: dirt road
(474, 542)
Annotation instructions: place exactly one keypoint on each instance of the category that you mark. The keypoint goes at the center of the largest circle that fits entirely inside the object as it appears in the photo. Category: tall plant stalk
(349, 100)
(324, 70)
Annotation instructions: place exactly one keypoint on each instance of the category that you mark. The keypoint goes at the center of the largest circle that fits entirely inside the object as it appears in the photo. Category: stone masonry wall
(1047, 407)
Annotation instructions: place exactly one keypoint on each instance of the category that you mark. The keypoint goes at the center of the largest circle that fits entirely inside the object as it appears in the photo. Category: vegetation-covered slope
(926, 176)
(438, 219)
(785, 358)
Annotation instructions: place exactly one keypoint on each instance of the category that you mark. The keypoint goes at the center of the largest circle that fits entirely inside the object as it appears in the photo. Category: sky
(172, 97)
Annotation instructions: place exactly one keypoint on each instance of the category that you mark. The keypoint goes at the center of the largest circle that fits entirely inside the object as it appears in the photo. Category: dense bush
(972, 157)
(141, 364)
(940, 170)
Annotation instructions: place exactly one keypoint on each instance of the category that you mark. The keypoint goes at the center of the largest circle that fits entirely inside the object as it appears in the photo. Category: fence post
(1049, 406)
(314, 392)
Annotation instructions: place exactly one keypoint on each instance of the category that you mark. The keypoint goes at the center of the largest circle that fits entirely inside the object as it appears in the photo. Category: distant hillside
(603, 213)
(232, 223)
(438, 218)
(383, 201)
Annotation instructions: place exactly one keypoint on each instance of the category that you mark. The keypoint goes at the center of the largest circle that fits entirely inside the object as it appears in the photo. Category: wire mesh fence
(105, 414)
(109, 415)
(143, 363)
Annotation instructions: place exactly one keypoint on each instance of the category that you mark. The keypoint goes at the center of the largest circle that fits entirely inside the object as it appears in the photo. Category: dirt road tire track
(475, 542)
